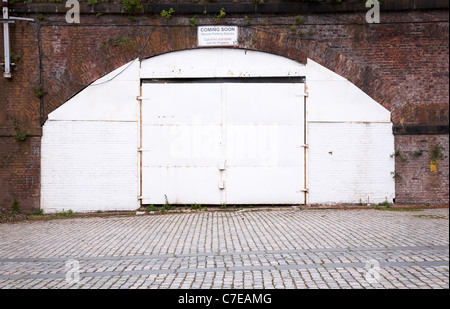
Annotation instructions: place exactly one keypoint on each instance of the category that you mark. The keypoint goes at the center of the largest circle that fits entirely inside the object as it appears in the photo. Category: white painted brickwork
(350, 142)
(89, 166)
(350, 163)
(90, 158)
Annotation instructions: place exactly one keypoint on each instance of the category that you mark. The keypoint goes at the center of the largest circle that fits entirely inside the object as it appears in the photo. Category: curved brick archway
(114, 52)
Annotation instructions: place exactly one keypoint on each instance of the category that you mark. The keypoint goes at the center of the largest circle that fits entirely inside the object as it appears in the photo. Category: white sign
(217, 36)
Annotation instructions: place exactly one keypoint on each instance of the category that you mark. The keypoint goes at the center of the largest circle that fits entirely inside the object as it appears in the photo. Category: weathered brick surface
(402, 63)
(417, 182)
(20, 173)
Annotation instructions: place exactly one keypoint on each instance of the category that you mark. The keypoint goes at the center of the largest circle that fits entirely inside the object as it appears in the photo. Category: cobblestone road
(288, 249)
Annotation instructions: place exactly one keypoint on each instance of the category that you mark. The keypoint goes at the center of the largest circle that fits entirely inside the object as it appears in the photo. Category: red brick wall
(19, 173)
(402, 63)
(416, 180)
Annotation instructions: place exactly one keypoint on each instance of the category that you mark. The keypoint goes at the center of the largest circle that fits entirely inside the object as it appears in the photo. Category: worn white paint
(333, 98)
(350, 142)
(89, 166)
(223, 143)
(350, 162)
(89, 146)
(265, 131)
(111, 98)
(219, 62)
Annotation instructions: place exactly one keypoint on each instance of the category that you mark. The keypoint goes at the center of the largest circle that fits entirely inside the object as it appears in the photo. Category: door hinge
(222, 185)
(222, 166)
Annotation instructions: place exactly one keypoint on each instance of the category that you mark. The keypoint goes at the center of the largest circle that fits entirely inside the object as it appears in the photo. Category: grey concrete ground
(287, 249)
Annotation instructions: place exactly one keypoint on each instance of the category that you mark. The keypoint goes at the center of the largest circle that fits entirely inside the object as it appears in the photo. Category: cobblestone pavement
(288, 249)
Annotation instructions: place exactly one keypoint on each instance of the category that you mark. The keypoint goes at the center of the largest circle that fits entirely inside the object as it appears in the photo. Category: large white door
(223, 141)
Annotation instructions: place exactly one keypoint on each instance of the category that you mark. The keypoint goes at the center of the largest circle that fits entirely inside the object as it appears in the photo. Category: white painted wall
(89, 166)
(90, 160)
(110, 98)
(246, 135)
(89, 147)
(219, 62)
(350, 162)
(350, 142)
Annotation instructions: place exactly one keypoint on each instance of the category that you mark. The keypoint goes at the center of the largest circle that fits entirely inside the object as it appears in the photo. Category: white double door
(223, 143)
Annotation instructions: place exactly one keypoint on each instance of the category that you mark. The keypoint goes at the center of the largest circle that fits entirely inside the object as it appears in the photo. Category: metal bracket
(22, 18)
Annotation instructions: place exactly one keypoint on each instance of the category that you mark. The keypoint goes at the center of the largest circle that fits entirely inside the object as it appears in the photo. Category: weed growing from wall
(19, 135)
(167, 14)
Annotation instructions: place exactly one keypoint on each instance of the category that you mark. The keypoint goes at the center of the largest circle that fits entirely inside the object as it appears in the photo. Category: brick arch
(155, 41)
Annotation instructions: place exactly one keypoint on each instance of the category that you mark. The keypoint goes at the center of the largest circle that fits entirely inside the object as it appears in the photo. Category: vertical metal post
(306, 141)
(7, 72)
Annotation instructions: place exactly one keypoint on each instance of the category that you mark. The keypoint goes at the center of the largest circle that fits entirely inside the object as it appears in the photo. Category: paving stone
(273, 249)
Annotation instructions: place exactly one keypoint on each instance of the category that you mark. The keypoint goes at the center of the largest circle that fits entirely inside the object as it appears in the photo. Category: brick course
(402, 63)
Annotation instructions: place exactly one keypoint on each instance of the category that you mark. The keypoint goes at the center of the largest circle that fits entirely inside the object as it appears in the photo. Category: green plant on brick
(39, 16)
(19, 135)
(396, 175)
(15, 206)
(397, 154)
(193, 21)
(436, 153)
(417, 153)
(299, 20)
(131, 7)
(167, 14)
(39, 91)
(221, 15)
